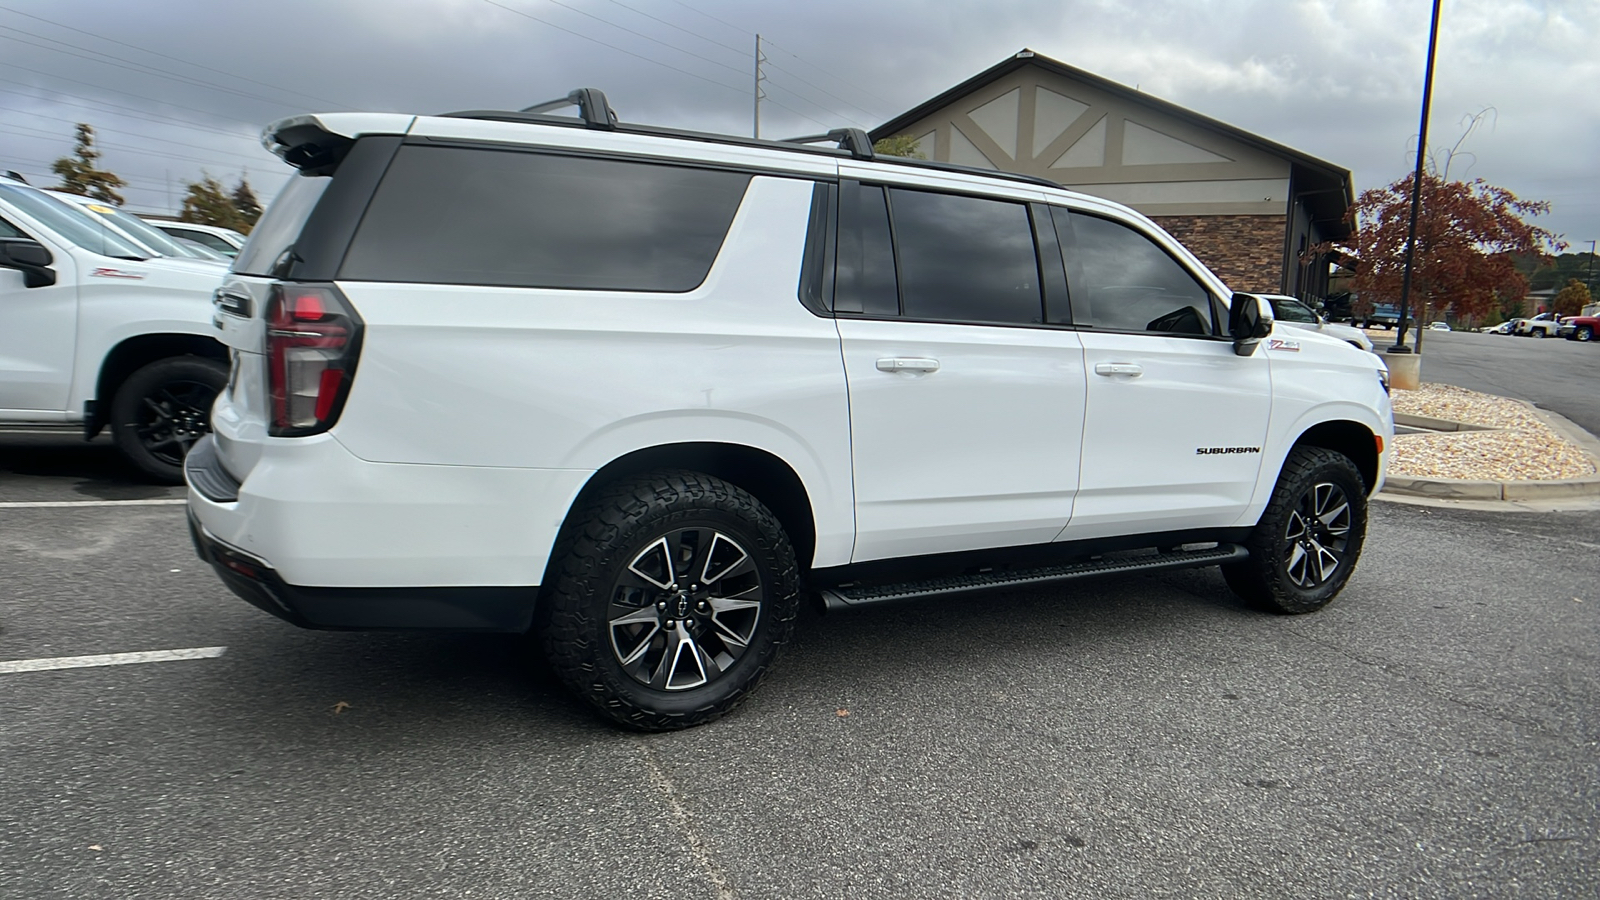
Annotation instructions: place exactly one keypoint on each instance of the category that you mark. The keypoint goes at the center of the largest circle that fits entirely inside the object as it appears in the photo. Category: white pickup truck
(96, 329)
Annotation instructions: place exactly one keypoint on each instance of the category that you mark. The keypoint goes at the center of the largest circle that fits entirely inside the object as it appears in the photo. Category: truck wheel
(1538, 332)
(675, 593)
(162, 409)
(1585, 334)
(1309, 538)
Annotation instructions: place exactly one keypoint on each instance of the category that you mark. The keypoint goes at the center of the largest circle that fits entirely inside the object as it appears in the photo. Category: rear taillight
(313, 340)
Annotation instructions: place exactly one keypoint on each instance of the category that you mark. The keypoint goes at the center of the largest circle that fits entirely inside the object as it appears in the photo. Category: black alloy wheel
(1306, 544)
(667, 599)
(1317, 535)
(162, 409)
(685, 609)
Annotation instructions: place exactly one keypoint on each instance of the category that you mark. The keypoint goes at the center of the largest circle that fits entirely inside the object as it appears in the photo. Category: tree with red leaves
(1468, 233)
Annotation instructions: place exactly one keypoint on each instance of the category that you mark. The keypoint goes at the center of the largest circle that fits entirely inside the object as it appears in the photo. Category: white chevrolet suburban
(97, 328)
(640, 391)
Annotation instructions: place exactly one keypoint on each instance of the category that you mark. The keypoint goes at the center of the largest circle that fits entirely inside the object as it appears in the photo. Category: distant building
(1248, 207)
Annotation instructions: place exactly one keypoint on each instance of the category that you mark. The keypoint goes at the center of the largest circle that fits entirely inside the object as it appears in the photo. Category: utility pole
(1588, 279)
(757, 93)
(1416, 186)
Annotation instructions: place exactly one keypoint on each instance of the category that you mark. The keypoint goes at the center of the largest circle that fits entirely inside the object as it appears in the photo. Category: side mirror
(1249, 320)
(31, 258)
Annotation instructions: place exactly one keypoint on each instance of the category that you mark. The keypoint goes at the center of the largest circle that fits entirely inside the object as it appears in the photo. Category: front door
(38, 337)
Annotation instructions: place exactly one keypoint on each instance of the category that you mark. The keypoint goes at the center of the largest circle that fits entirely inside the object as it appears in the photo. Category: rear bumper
(492, 609)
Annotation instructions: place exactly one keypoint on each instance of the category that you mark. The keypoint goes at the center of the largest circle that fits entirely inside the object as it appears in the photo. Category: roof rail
(592, 106)
(854, 140)
(597, 113)
(593, 109)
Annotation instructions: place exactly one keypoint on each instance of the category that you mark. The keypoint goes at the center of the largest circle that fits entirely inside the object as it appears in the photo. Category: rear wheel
(1306, 544)
(1538, 333)
(162, 409)
(674, 595)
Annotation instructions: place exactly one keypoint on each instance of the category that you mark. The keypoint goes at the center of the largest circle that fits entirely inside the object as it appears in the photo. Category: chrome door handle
(1118, 369)
(907, 364)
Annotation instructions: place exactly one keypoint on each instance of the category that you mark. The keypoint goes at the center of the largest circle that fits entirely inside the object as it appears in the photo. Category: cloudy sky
(177, 87)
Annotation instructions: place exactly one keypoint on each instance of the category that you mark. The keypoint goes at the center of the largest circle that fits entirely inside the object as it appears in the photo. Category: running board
(853, 595)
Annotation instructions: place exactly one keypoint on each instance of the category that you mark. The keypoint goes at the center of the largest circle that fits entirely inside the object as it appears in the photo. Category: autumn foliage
(1467, 235)
(1572, 299)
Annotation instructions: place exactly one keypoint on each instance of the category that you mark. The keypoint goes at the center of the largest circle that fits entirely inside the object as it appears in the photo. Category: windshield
(1292, 311)
(139, 230)
(71, 223)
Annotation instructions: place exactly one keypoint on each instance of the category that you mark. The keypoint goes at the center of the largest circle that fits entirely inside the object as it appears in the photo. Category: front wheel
(162, 409)
(675, 592)
(1306, 544)
(1585, 334)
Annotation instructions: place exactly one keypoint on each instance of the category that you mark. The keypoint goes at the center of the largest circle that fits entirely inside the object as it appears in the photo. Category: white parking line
(108, 659)
(64, 504)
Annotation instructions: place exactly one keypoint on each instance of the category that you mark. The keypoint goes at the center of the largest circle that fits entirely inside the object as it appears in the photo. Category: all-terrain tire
(595, 583)
(160, 410)
(1288, 571)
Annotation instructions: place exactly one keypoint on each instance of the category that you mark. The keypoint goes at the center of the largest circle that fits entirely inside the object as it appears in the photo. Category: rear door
(966, 403)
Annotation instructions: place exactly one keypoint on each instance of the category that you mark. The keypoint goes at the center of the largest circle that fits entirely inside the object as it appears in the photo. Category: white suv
(639, 391)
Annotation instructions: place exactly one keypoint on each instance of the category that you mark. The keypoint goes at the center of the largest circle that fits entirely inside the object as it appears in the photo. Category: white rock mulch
(1523, 448)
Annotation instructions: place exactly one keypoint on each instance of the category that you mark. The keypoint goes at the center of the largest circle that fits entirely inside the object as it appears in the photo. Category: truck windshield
(138, 229)
(70, 223)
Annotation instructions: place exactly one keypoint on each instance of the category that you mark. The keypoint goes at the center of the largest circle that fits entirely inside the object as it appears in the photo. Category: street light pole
(1588, 279)
(1416, 186)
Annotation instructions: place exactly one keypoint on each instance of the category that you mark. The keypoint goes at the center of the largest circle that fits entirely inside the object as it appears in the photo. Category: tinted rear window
(280, 227)
(449, 215)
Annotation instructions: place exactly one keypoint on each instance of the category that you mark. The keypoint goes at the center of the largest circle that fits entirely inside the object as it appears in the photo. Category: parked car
(1540, 326)
(1438, 326)
(225, 241)
(1387, 317)
(97, 330)
(1291, 311)
(1505, 327)
(1580, 328)
(641, 391)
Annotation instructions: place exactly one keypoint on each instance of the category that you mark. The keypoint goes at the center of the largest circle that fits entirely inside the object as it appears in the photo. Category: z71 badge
(1280, 344)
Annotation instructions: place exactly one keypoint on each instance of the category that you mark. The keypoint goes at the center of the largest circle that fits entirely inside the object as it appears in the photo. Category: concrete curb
(1462, 489)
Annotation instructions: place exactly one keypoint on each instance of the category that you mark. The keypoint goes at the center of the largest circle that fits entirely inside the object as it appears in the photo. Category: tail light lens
(313, 341)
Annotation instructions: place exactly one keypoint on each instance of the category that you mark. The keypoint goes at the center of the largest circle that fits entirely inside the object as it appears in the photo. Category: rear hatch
(294, 338)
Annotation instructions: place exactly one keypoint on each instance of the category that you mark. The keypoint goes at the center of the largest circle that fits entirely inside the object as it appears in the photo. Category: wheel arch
(1352, 439)
(136, 352)
(764, 475)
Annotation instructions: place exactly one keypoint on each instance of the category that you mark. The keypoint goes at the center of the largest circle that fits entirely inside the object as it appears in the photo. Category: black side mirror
(31, 258)
(1249, 320)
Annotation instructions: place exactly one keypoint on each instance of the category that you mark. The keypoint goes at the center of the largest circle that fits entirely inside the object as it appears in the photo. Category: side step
(855, 594)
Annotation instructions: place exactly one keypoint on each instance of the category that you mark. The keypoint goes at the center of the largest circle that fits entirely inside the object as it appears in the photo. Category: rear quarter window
(480, 216)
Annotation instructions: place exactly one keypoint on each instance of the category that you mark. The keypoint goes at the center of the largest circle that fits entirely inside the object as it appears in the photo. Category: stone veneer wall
(1244, 251)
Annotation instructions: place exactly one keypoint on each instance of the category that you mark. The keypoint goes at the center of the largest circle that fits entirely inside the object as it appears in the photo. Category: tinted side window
(864, 274)
(450, 215)
(965, 259)
(8, 230)
(1123, 281)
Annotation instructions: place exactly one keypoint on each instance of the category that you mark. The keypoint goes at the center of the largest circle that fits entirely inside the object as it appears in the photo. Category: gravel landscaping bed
(1523, 448)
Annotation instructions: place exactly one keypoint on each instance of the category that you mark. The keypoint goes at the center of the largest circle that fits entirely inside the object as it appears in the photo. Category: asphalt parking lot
(1433, 733)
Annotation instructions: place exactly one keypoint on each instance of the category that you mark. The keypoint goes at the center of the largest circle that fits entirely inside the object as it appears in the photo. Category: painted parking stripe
(68, 504)
(108, 659)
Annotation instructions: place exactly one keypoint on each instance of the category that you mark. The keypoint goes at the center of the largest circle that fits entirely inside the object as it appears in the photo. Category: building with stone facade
(1248, 207)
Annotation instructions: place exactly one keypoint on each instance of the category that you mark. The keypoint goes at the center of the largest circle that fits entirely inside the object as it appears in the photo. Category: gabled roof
(1324, 187)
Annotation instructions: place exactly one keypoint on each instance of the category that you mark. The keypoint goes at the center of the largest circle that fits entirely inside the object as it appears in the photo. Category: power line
(114, 110)
(166, 56)
(766, 40)
(738, 50)
(721, 84)
(134, 96)
(132, 66)
(647, 37)
(137, 135)
(37, 133)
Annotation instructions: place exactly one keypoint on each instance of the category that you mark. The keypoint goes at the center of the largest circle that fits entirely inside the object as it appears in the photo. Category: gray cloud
(1340, 79)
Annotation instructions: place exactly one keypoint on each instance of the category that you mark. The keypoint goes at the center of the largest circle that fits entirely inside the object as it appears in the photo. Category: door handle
(1108, 368)
(907, 364)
